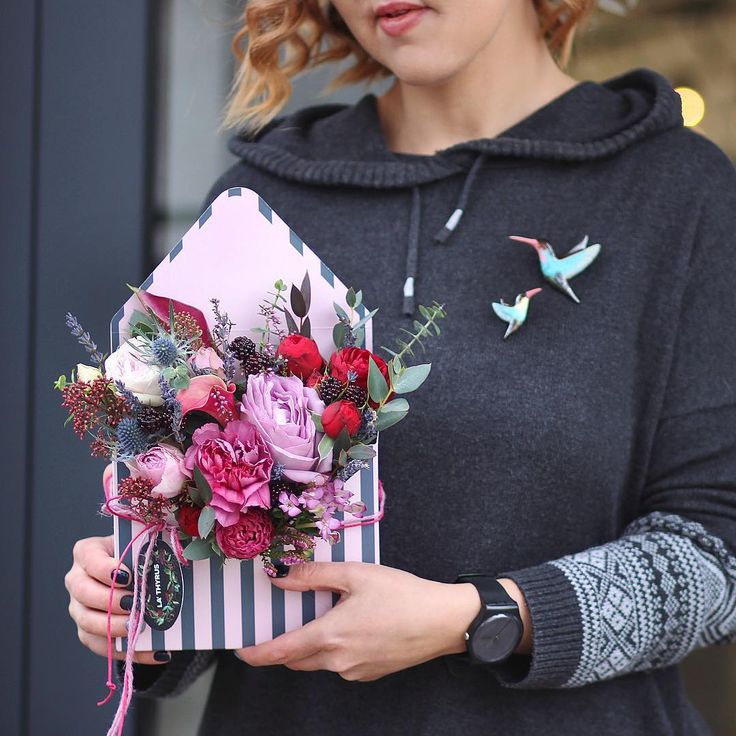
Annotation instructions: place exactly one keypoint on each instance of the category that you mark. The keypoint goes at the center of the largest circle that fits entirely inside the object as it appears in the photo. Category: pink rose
(163, 465)
(236, 463)
(280, 407)
(208, 359)
(250, 535)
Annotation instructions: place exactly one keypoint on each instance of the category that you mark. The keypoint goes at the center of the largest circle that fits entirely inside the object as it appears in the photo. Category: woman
(587, 462)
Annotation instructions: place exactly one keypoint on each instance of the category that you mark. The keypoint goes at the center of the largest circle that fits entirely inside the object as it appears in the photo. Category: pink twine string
(373, 518)
(135, 618)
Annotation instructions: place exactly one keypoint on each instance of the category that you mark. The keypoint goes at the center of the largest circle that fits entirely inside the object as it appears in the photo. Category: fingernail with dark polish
(126, 602)
(162, 656)
(281, 570)
(121, 577)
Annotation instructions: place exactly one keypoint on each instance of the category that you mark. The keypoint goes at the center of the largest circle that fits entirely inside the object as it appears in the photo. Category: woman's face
(424, 43)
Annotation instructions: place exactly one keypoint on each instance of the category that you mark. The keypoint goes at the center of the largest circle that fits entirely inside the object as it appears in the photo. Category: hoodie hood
(344, 145)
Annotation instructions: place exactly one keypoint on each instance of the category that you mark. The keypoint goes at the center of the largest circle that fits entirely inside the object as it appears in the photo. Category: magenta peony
(250, 535)
(236, 463)
(164, 466)
(280, 409)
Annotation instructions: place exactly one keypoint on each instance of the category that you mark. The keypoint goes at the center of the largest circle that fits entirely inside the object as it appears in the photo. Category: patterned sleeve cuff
(556, 630)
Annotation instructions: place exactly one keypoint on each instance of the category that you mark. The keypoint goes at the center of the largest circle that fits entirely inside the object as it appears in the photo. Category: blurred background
(110, 142)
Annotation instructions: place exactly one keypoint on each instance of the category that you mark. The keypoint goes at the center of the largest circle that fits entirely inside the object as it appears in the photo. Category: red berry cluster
(93, 403)
(137, 492)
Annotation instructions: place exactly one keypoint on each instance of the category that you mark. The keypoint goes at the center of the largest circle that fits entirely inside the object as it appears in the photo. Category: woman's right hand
(89, 581)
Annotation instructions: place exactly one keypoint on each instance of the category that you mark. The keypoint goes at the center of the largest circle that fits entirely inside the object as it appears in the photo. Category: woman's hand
(386, 620)
(88, 582)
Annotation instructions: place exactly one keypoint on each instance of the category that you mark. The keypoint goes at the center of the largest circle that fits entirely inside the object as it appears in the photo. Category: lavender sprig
(84, 339)
(174, 405)
(132, 399)
(221, 331)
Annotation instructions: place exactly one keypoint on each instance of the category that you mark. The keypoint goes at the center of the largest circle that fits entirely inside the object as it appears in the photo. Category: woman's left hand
(386, 620)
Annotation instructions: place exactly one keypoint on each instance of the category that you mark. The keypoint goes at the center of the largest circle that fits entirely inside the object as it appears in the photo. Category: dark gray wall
(74, 165)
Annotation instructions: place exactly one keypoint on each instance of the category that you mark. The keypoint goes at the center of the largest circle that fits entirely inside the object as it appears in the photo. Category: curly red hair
(310, 32)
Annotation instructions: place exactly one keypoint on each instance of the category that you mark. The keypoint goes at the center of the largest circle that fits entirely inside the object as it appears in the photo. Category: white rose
(141, 378)
(87, 373)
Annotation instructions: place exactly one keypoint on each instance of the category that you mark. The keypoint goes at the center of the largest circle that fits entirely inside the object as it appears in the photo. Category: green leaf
(325, 446)
(365, 319)
(342, 459)
(412, 378)
(343, 441)
(377, 386)
(198, 549)
(338, 335)
(317, 419)
(298, 305)
(195, 494)
(171, 318)
(359, 335)
(306, 290)
(340, 312)
(358, 299)
(361, 452)
(388, 419)
(203, 486)
(206, 521)
(350, 298)
(396, 405)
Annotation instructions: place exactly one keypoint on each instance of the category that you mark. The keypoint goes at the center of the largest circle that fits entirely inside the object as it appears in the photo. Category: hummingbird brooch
(514, 314)
(558, 271)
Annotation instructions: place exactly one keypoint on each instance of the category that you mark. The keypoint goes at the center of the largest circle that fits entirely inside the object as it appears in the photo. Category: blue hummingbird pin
(514, 314)
(559, 270)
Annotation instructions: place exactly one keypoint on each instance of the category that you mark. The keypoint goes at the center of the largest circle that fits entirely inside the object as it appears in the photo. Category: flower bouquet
(240, 447)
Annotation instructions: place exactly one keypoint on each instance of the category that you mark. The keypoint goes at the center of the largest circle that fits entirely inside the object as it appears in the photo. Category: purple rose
(280, 407)
(236, 463)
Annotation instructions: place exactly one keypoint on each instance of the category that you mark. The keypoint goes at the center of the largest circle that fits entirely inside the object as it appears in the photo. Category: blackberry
(254, 363)
(330, 388)
(356, 394)
(151, 419)
(242, 347)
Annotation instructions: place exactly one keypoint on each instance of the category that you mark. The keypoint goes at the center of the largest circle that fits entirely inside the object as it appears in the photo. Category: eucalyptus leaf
(325, 446)
(198, 549)
(377, 386)
(395, 405)
(388, 419)
(365, 319)
(317, 419)
(358, 299)
(350, 298)
(412, 378)
(340, 312)
(338, 335)
(342, 458)
(206, 521)
(361, 452)
(343, 441)
(195, 494)
(203, 485)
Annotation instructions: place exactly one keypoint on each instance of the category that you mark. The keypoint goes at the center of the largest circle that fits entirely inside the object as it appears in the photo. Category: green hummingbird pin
(558, 271)
(514, 314)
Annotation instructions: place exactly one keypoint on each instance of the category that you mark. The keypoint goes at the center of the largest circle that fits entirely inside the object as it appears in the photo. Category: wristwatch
(497, 630)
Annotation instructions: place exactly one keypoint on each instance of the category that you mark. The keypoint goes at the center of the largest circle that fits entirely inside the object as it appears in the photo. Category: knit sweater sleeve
(667, 585)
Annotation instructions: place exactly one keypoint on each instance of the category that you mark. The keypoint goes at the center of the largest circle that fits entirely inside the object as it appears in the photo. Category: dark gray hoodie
(591, 456)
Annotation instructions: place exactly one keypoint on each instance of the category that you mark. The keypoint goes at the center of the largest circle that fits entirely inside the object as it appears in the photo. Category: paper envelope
(235, 252)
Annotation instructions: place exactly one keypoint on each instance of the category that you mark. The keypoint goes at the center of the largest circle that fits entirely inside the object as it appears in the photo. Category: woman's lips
(395, 25)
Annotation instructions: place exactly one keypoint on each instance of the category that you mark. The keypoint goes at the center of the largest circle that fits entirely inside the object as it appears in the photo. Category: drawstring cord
(452, 221)
(412, 252)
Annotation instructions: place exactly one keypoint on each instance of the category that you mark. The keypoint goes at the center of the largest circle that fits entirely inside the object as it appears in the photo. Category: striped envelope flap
(235, 252)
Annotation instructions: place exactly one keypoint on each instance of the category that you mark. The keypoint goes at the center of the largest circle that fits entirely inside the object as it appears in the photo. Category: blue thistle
(353, 467)
(164, 350)
(131, 438)
(277, 471)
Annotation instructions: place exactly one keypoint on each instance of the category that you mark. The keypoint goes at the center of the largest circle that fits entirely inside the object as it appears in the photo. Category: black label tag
(164, 587)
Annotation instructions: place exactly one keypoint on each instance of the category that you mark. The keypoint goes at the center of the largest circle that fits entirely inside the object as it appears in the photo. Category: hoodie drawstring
(412, 251)
(452, 221)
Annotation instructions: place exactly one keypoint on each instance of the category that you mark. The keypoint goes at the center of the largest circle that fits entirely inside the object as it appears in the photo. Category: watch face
(496, 638)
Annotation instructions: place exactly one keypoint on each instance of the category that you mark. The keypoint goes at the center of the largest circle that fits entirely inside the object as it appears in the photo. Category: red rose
(341, 415)
(250, 535)
(354, 361)
(188, 519)
(302, 355)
